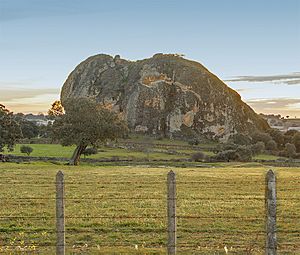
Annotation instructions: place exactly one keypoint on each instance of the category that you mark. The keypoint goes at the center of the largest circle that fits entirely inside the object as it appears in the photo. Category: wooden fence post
(60, 214)
(171, 182)
(271, 239)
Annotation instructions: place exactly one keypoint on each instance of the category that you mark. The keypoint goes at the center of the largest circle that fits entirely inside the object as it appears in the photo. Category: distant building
(294, 128)
(40, 120)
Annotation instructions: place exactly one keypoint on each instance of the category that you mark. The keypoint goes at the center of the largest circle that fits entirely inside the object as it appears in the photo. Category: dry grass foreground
(122, 210)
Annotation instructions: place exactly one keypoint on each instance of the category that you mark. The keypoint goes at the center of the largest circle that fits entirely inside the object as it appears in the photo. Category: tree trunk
(74, 161)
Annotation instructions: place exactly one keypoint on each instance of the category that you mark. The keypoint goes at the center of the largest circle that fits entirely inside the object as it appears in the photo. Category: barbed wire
(143, 244)
(134, 182)
(136, 198)
(230, 198)
(151, 230)
(132, 217)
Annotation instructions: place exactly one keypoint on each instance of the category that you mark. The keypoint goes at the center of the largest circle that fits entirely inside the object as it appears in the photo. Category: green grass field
(122, 210)
(56, 150)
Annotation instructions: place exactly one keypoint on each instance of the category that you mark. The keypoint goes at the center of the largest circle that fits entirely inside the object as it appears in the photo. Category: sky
(253, 46)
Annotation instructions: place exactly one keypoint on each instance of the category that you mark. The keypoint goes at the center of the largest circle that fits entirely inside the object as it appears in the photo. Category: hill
(165, 95)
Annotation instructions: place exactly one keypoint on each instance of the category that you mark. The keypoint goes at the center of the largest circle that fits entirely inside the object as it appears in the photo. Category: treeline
(30, 129)
(242, 147)
(15, 127)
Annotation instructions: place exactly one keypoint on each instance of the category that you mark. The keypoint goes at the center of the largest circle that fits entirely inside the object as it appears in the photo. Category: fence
(175, 230)
(271, 240)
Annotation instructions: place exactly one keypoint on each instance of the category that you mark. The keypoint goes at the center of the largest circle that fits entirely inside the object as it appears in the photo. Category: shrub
(225, 147)
(229, 146)
(260, 137)
(199, 156)
(115, 158)
(228, 155)
(239, 153)
(271, 145)
(90, 151)
(194, 142)
(296, 141)
(277, 136)
(258, 148)
(26, 149)
(245, 153)
(290, 150)
(240, 139)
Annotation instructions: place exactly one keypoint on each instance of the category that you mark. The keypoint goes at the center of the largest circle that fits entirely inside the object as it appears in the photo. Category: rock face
(165, 94)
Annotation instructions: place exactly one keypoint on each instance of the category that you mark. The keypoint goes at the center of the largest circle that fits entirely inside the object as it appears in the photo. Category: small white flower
(136, 247)
(225, 248)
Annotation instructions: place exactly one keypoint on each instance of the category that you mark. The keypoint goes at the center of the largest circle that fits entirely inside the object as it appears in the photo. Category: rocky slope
(165, 94)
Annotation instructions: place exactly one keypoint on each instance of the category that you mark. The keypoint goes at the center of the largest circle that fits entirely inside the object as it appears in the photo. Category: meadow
(122, 209)
(181, 152)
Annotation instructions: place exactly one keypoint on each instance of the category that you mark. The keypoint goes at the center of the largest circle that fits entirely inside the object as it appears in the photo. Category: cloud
(283, 106)
(28, 100)
(289, 79)
(16, 94)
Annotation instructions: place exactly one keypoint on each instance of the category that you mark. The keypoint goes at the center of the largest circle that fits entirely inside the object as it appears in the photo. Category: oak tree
(10, 130)
(86, 123)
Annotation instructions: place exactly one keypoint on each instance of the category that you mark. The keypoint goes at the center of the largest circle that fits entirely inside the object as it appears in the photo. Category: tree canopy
(10, 130)
(86, 123)
(56, 109)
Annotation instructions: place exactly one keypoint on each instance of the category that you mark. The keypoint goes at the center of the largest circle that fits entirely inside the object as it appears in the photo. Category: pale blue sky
(41, 41)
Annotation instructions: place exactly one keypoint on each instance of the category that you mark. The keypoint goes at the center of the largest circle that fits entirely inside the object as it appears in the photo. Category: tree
(258, 136)
(29, 129)
(86, 123)
(26, 149)
(10, 130)
(296, 141)
(271, 145)
(290, 150)
(228, 155)
(258, 148)
(56, 110)
(277, 136)
(288, 135)
(244, 153)
(45, 130)
(241, 139)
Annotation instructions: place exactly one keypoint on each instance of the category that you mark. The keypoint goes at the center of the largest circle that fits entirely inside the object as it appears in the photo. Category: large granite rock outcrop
(165, 94)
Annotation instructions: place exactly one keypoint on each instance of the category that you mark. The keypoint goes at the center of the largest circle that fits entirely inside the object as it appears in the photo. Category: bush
(225, 147)
(240, 139)
(288, 135)
(239, 153)
(194, 142)
(260, 137)
(271, 145)
(90, 151)
(296, 141)
(199, 156)
(258, 148)
(245, 153)
(26, 149)
(290, 150)
(228, 155)
(277, 136)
